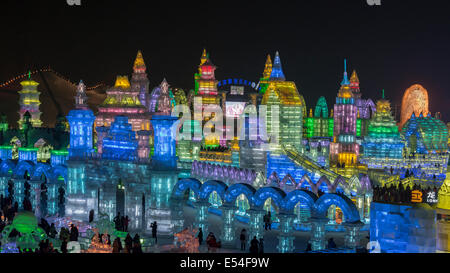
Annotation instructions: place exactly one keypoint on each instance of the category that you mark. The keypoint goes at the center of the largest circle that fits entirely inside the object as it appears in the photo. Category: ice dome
(426, 134)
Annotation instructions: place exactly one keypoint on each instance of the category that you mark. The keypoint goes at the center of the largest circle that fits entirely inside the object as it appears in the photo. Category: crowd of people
(400, 194)
(132, 245)
(8, 211)
(65, 235)
(46, 246)
(211, 242)
(256, 246)
(121, 222)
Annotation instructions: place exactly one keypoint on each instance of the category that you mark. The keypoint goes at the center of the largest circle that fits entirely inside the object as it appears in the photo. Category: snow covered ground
(270, 236)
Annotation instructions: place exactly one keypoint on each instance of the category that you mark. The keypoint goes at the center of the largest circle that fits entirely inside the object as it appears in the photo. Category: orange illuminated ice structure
(139, 80)
(415, 100)
(98, 246)
(122, 100)
(187, 241)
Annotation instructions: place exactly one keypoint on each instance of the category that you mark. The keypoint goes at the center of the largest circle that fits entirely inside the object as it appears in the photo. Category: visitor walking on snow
(261, 245)
(73, 233)
(125, 223)
(331, 243)
(117, 245)
(91, 215)
(200, 236)
(128, 243)
(52, 232)
(243, 239)
(137, 247)
(254, 245)
(122, 223)
(64, 234)
(64, 246)
(308, 247)
(154, 227)
(117, 221)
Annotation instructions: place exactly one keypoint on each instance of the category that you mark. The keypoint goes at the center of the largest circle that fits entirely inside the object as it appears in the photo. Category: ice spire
(204, 57)
(139, 64)
(354, 77)
(267, 67)
(164, 106)
(345, 80)
(81, 97)
(277, 71)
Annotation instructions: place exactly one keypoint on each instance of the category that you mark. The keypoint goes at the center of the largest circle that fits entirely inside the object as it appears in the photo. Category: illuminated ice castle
(125, 99)
(121, 177)
(126, 158)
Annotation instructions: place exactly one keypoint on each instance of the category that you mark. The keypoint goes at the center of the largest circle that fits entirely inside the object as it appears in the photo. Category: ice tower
(285, 108)
(284, 122)
(139, 80)
(344, 148)
(266, 75)
(164, 168)
(123, 100)
(81, 121)
(29, 102)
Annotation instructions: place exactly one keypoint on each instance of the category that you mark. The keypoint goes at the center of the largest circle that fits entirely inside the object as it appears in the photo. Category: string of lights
(48, 69)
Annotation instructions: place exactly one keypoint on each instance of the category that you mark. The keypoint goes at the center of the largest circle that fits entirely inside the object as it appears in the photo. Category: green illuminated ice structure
(319, 124)
(383, 146)
(30, 233)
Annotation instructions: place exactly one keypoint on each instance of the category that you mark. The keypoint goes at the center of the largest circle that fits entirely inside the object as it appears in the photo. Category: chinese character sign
(416, 196)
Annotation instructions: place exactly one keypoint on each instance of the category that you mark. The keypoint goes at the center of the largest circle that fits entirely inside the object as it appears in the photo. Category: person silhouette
(154, 227)
(200, 236)
(254, 245)
(243, 239)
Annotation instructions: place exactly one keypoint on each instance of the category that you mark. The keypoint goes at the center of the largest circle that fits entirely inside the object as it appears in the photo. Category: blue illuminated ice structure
(121, 143)
(277, 72)
(81, 132)
(164, 157)
(403, 228)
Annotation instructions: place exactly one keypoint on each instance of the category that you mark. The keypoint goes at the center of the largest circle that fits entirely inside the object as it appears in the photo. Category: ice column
(35, 187)
(19, 191)
(256, 224)
(286, 238)
(228, 224)
(352, 234)
(52, 198)
(318, 233)
(176, 207)
(201, 220)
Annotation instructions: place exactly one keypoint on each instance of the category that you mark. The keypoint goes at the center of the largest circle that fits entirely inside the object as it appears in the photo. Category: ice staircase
(308, 164)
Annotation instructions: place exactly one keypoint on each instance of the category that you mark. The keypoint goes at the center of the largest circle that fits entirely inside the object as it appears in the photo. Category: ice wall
(403, 228)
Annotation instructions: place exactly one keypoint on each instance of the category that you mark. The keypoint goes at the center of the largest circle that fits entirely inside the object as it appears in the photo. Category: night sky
(391, 46)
